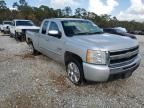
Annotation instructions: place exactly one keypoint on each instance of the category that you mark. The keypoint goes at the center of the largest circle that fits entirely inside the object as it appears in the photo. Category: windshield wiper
(82, 33)
(97, 33)
(89, 33)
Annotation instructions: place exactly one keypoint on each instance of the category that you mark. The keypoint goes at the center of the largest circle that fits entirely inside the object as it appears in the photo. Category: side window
(53, 26)
(114, 31)
(106, 30)
(44, 27)
(110, 31)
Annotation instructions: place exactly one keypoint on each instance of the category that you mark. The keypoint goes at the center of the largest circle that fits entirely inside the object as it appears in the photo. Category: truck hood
(106, 42)
(5, 25)
(27, 27)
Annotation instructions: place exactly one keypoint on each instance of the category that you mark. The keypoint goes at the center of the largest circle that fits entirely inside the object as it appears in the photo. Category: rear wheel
(32, 49)
(75, 71)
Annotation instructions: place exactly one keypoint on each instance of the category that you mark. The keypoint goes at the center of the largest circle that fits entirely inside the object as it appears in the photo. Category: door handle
(47, 39)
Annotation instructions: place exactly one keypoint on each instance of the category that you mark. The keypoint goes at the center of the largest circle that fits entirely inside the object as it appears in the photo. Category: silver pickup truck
(87, 52)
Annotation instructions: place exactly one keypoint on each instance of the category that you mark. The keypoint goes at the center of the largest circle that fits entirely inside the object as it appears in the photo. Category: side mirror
(55, 33)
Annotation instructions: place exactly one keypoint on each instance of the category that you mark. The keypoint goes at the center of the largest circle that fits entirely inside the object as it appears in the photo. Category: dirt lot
(39, 82)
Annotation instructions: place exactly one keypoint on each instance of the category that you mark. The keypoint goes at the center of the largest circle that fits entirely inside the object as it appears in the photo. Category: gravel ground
(39, 82)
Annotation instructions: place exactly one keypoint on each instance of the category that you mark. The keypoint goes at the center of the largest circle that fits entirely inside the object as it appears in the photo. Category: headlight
(96, 57)
(19, 30)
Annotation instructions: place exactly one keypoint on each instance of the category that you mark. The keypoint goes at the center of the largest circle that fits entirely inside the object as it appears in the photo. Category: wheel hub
(73, 72)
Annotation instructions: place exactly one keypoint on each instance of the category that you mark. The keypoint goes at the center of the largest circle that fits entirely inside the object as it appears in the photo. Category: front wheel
(75, 71)
(11, 35)
(22, 38)
(16, 36)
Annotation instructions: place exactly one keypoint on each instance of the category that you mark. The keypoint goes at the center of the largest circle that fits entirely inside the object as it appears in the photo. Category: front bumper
(104, 73)
(20, 34)
(6, 29)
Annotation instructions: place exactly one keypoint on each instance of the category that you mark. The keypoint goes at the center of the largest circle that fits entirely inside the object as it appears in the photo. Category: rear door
(44, 38)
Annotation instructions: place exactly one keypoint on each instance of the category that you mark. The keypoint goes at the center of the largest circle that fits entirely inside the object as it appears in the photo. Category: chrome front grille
(123, 57)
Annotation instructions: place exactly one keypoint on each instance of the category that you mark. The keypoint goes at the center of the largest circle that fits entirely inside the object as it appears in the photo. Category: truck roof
(21, 20)
(63, 19)
(7, 21)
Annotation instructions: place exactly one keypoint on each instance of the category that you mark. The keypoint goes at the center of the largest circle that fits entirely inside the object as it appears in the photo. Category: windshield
(120, 31)
(24, 23)
(80, 27)
(7, 23)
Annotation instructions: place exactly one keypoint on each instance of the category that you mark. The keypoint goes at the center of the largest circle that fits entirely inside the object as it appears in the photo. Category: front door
(55, 46)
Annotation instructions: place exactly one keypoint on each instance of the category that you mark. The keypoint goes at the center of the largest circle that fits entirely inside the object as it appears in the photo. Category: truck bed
(33, 30)
(31, 34)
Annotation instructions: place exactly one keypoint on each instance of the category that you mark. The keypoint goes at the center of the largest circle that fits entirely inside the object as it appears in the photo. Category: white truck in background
(6, 26)
(19, 28)
(0, 27)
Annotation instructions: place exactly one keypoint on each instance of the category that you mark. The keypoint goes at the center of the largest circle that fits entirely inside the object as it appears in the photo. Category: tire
(32, 49)
(15, 36)
(11, 35)
(75, 71)
(21, 38)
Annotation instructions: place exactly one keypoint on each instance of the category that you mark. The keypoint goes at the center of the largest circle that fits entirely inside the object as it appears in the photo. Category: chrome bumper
(103, 72)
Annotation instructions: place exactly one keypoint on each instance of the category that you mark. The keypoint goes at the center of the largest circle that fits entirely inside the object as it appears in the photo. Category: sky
(122, 9)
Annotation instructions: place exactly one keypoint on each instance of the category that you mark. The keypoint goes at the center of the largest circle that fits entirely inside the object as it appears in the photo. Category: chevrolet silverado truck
(88, 53)
(19, 27)
(6, 26)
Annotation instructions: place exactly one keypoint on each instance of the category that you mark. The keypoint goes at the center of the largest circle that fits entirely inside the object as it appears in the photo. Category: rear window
(44, 27)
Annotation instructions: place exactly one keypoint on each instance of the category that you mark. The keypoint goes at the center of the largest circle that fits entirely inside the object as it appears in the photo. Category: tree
(23, 2)
(106, 17)
(3, 4)
(15, 5)
(67, 11)
(115, 18)
(81, 13)
(37, 14)
(59, 13)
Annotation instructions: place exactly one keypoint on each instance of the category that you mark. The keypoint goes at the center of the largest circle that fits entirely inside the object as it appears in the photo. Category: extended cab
(87, 52)
(19, 28)
(6, 26)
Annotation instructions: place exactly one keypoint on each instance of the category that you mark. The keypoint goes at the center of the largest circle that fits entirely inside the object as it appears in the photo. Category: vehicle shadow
(88, 83)
(1, 34)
